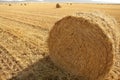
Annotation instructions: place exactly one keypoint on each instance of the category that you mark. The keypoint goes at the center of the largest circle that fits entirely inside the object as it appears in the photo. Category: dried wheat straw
(85, 45)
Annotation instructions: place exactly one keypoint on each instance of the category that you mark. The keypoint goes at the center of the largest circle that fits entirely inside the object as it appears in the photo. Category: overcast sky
(103, 1)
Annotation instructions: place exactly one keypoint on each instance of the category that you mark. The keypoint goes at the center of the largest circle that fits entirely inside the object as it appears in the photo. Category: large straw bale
(85, 45)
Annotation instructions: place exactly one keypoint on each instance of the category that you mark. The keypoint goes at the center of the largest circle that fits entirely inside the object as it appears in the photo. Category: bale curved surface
(84, 45)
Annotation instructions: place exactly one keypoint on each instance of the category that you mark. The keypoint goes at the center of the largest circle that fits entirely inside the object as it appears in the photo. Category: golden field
(24, 31)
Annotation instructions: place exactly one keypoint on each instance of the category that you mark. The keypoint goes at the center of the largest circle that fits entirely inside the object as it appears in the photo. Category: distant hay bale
(58, 5)
(10, 4)
(70, 3)
(85, 45)
(25, 4)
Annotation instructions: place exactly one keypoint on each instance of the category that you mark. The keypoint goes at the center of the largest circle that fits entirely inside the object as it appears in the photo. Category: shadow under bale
(44, 69)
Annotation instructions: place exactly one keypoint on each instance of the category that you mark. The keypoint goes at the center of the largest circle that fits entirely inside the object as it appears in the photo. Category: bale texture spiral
(85, 45)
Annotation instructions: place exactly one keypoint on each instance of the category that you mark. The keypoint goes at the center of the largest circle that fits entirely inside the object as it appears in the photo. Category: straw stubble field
(23, 38)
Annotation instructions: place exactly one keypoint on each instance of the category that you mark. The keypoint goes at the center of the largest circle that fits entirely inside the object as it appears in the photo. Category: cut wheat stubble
(85, 45)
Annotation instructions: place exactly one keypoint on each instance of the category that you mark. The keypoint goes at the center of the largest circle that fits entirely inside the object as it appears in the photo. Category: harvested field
(23, 39)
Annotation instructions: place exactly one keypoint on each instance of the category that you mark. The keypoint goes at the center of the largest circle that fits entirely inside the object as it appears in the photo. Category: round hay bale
(25, 4)
(85, 45)
(10, 4)
(58, 5)
(70, 3)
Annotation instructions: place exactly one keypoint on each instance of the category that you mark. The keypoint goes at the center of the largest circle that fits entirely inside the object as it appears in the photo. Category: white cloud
(40, 0)
(109, 1)
(12, 0)
(19, 0)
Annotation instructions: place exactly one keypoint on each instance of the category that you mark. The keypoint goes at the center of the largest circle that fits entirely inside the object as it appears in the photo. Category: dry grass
(23, 35)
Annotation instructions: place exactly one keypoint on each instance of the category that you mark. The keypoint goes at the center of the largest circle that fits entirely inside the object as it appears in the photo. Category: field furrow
(22, 22)
(25, 32)
(25, 52)
(44, 22)
(9, 65)
(39, 14)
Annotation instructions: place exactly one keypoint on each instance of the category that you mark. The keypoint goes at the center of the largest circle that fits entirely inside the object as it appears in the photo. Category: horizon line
(67, 2)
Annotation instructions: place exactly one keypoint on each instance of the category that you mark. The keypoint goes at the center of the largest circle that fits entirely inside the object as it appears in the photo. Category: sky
(109, 1)
(101, 1)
